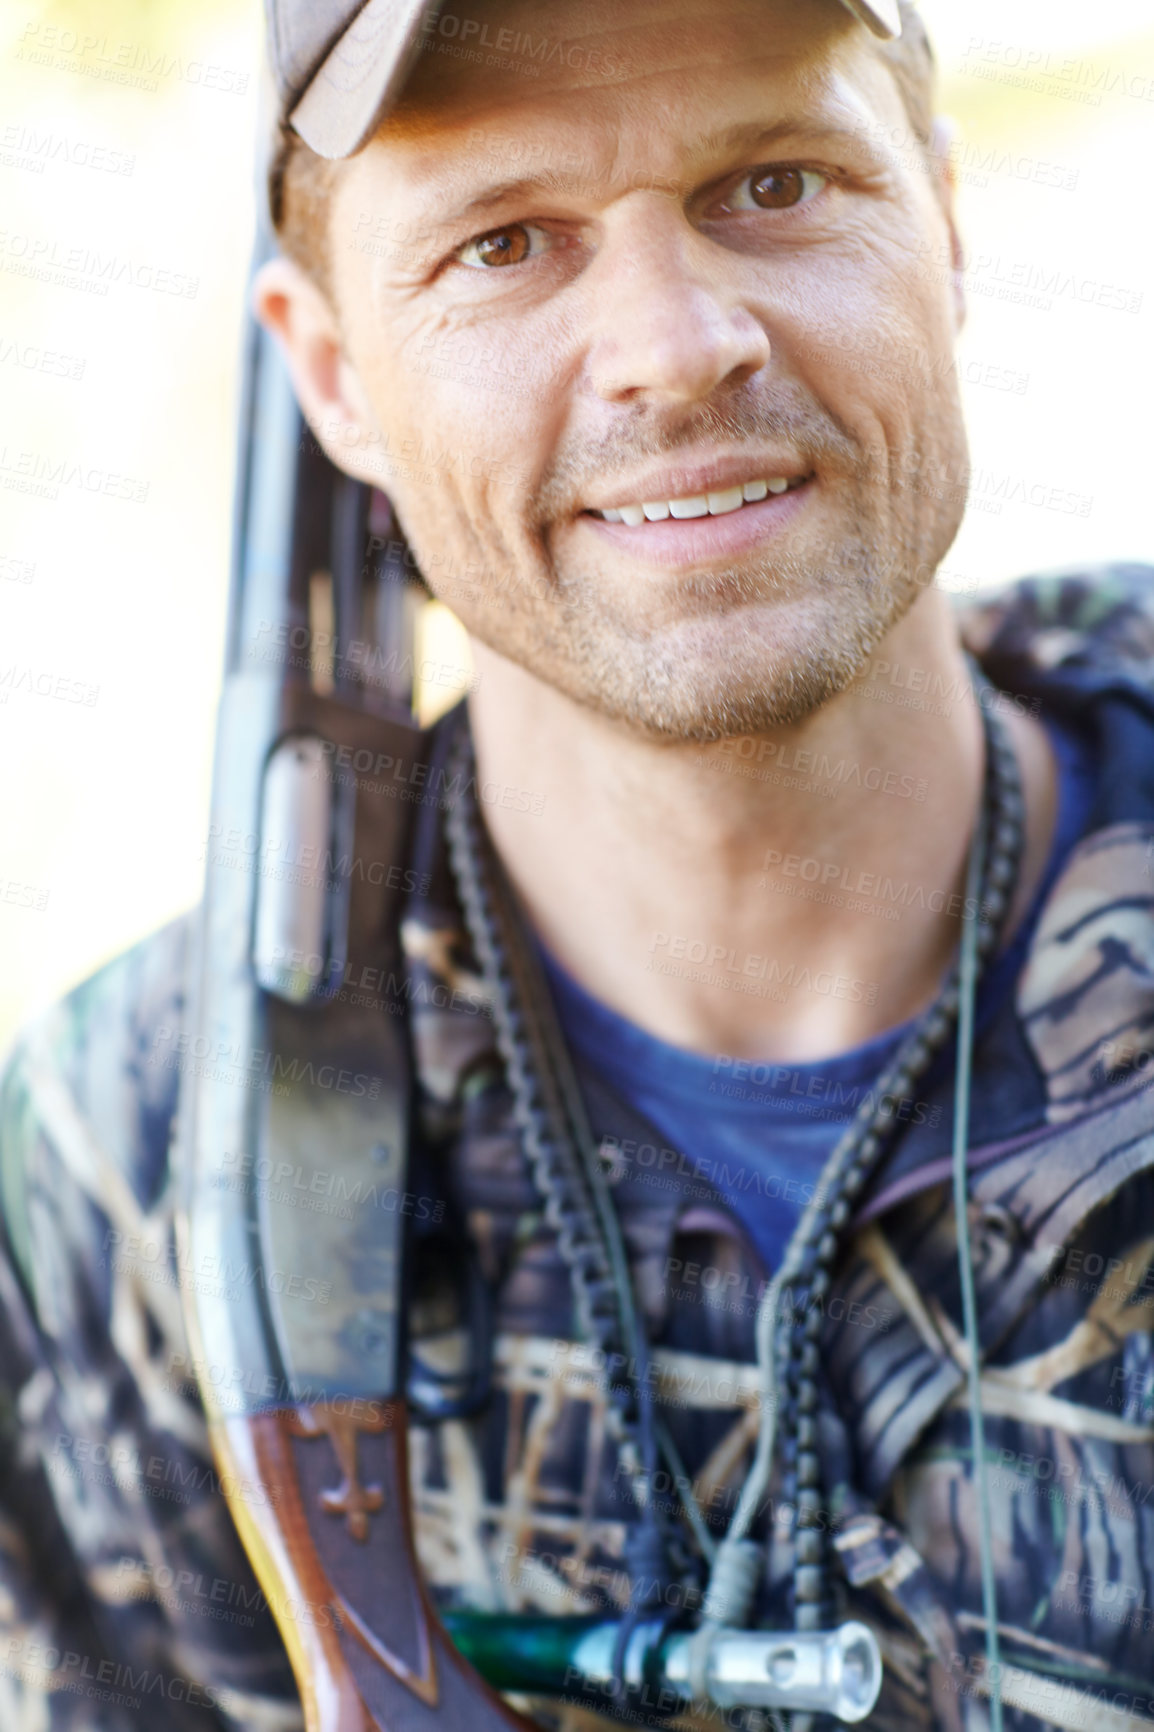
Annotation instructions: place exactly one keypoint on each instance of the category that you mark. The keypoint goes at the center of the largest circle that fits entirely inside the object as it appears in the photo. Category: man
(637, 289)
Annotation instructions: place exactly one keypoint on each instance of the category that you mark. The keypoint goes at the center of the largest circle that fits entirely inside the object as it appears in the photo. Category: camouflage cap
(340, 65)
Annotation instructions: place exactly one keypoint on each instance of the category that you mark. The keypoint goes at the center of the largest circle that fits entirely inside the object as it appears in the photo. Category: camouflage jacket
(126, 1598)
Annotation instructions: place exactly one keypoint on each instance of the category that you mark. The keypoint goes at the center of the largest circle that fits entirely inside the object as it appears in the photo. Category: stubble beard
(758, 646)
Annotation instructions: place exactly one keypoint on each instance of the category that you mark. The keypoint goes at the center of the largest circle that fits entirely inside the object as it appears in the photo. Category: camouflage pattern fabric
(126, 1599)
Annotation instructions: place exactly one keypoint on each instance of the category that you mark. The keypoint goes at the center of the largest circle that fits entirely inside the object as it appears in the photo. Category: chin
(677, 697)
(743, 671)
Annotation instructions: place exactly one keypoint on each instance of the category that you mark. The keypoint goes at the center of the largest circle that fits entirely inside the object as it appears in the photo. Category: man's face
(672, 254)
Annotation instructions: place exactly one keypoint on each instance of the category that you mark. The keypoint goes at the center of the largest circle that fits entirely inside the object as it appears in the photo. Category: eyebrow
(747, 136)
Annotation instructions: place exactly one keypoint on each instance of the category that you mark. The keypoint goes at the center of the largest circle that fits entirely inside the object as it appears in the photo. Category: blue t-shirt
(761, 1133)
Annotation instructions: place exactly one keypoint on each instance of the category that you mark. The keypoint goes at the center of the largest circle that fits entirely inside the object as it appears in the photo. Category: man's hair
(301, 182)
(300, 188)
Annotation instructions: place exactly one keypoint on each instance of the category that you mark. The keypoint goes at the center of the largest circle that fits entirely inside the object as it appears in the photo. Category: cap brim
(363, 76)
(880, 16)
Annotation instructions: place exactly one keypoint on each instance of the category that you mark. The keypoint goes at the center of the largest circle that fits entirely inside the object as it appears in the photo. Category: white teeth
(700, 505)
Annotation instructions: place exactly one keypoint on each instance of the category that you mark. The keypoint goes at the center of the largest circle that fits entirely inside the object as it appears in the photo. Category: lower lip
(696, 540)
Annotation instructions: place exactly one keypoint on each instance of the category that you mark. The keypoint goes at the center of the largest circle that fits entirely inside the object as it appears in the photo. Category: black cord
(566, 1164)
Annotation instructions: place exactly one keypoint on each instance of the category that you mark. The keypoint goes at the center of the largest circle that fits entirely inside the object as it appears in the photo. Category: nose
(670, 321)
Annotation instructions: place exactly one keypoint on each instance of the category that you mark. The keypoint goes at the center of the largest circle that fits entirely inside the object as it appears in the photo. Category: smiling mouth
(719, 504)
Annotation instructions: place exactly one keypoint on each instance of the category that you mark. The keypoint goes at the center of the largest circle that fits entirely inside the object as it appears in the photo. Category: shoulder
(1078, 645)
(1089, 620)
(89, 1090)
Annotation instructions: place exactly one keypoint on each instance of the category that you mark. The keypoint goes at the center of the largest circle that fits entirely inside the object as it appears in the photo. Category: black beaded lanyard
(567, 1170)
(566, 1166)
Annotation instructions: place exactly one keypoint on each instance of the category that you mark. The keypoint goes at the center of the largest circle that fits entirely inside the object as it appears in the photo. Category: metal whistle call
(836, 1672)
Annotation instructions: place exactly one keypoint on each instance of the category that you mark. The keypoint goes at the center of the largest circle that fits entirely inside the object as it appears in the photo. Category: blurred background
(127, 133)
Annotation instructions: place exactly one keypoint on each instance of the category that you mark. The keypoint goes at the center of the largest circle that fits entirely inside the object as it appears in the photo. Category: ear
(295, 310)
(943, 138)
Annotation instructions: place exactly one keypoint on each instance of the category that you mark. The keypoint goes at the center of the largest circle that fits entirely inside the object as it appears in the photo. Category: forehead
(513, 77)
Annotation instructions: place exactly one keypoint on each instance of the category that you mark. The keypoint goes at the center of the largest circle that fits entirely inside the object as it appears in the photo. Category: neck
(783, 897)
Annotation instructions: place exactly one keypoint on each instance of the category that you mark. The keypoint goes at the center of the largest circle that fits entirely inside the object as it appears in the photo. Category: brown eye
(502, 247)
(777, 188)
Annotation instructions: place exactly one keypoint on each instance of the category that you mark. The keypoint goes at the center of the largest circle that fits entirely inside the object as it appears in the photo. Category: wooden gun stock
(325, 1516)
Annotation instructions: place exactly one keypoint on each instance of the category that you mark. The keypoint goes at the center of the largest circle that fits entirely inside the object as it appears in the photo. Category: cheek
(872, 339)
(474, 411)
(483, 376)
(476, 416)
(456, 492)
